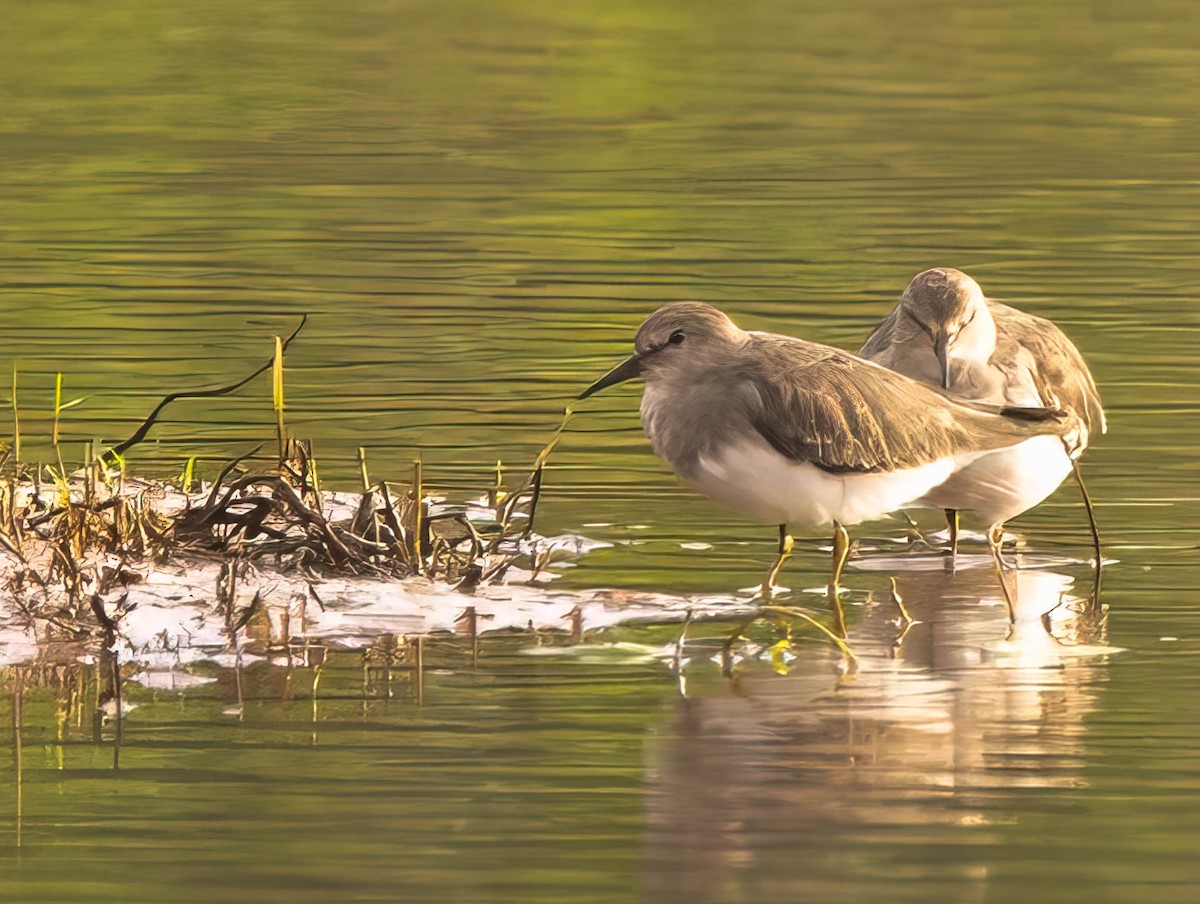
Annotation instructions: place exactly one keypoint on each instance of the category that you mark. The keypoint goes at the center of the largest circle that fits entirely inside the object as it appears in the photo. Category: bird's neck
(680, 418)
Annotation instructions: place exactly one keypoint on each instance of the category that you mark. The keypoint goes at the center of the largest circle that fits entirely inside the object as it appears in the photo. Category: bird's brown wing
(821, 405)
(881, 337)
(1052, 363)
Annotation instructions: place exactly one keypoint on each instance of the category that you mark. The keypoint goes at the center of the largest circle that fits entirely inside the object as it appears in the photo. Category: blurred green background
(477, 203)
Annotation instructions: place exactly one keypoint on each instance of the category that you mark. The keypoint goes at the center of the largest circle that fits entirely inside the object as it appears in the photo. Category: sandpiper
(946, 333)
(795, 433)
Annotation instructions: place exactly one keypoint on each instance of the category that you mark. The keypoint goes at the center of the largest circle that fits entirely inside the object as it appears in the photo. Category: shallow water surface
(476, 204)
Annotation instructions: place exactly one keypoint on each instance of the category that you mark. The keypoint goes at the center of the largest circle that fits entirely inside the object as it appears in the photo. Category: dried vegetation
(73, 541)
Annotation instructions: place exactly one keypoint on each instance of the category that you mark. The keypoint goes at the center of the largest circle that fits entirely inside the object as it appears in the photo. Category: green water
(476, 204)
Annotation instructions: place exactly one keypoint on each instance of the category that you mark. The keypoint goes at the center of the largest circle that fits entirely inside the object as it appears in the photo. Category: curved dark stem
(51, 514)
(727, 646)
(535, 486)
(112, 455)
(1091, 513)
(225, 472)
(108, 656)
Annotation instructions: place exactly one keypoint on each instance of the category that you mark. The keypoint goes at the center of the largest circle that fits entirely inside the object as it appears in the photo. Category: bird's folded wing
(820, 405)
(1056, 367)
(881, 337)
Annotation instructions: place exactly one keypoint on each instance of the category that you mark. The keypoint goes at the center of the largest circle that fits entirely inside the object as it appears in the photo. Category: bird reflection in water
(931, 733)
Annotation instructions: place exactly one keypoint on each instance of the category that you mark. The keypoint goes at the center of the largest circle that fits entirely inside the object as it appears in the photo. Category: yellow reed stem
(16, 419)
(277, 397)
(57, 405)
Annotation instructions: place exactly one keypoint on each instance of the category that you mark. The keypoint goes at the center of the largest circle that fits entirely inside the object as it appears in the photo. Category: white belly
(1000, 485)
(752, 478)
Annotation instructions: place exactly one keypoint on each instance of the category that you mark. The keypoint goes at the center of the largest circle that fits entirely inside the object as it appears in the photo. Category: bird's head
(950, 308)
(672, 340)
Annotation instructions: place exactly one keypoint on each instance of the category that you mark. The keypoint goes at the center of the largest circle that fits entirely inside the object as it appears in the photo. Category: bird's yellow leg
(995, 538)
(785, 550)
(841, 552)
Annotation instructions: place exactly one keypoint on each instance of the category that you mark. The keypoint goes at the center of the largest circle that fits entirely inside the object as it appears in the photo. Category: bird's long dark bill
(939, 349)
(628, 369)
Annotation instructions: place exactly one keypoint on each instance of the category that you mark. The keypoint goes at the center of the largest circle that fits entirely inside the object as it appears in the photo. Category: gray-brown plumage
(792, 432)
(992, 352)
(946, 333)
(821, 404)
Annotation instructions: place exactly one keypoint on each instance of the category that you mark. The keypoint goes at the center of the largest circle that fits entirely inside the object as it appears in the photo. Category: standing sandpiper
(792, 432)
(946, 333)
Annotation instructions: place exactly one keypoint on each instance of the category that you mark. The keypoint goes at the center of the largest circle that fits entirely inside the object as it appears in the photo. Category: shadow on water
(941, 719)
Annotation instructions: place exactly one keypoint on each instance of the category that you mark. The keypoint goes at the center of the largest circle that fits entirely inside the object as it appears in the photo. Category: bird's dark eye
(676, 338)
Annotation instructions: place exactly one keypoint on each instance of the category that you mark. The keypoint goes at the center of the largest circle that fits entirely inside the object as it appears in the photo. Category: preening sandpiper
(945, 332)
(795, 433)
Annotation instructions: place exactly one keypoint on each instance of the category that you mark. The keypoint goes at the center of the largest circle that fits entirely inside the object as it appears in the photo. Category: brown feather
(843, 414)
(1055, 366)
